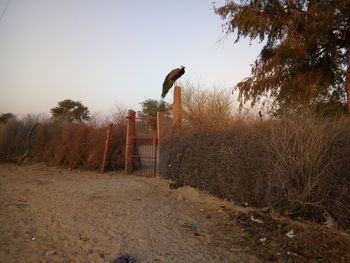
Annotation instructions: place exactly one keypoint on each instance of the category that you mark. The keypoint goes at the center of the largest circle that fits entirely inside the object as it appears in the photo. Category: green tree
(150, 107)
(70, 110)
(305, 57)
(5, 117)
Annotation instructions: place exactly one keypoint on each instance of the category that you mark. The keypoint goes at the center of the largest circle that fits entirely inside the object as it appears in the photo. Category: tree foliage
(305, 57)
(70, 110)
(5, 117)
(150, 107)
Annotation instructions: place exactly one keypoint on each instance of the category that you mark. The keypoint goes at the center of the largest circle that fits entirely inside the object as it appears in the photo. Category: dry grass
(206, 108)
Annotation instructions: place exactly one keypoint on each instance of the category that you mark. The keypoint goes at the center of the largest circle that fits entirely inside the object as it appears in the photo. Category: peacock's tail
(166, 87)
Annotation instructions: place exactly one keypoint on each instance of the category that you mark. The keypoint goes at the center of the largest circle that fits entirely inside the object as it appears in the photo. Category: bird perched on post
(171, 78)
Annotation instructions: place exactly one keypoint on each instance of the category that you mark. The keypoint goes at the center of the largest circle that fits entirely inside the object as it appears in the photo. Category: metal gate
(141, 147)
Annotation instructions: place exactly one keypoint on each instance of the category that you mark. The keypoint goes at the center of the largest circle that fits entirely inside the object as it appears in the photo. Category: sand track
(54, 215)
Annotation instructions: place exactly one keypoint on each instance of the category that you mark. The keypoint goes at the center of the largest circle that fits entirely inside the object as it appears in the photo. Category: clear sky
(103, 52)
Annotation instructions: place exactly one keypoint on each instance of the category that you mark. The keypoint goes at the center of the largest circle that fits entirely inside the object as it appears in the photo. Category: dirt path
(55, 215)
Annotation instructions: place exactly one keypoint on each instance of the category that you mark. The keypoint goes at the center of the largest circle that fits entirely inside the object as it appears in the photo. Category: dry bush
(298, 166)
(214, 160)
(3, 135)
(306, 170)
(13, 140)
(64, 144)
(206, 107)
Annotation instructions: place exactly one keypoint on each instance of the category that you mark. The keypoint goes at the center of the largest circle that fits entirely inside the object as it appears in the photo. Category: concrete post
(130, 142)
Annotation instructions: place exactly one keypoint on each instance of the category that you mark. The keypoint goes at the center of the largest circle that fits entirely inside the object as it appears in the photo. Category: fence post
(160, 123)
(160, 130)
(108, 138)
(177, 108)
(130, 144)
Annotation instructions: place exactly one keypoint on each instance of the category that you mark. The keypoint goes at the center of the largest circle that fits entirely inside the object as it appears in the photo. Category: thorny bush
(299, 166)
(64, 144)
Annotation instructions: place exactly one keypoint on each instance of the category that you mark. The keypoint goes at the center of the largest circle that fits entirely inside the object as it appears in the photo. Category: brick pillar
(130, 143)
(177, 108)
(160, 123)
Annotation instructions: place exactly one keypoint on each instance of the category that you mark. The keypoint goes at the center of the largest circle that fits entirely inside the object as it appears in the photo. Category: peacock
(171, 78)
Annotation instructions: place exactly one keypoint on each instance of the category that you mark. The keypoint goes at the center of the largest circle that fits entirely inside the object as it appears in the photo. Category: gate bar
(130, 144)
(142, 156)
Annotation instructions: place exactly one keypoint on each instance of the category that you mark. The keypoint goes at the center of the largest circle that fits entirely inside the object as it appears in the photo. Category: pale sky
(103, 52)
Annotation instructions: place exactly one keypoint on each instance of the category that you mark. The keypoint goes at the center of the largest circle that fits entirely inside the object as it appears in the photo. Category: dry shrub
(3, 135)
(13, 140)
(65, 144)
(298, 166)
(206, 108)
(308, 167)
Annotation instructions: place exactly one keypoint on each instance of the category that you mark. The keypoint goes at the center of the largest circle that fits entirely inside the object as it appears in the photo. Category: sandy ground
(56, 215)
(51, 214)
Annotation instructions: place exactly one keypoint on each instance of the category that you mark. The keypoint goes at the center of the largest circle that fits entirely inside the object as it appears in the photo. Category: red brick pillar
(130, 143)
(160, 123)
(177, 108)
